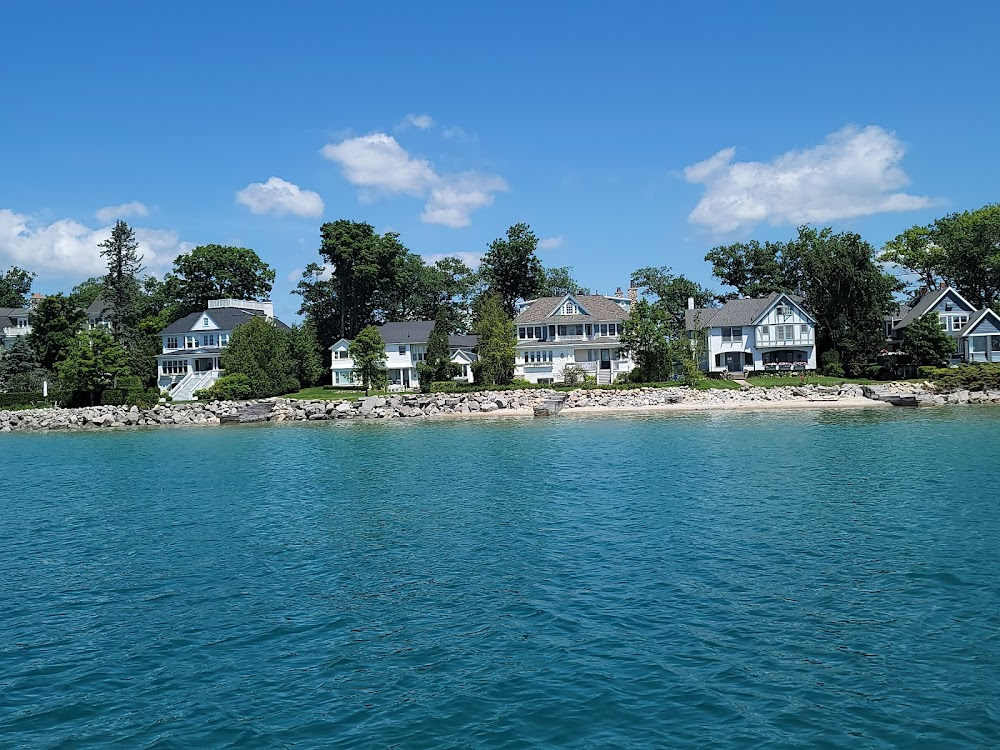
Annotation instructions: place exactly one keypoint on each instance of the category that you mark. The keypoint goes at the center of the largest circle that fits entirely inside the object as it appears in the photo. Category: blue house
(976, 332)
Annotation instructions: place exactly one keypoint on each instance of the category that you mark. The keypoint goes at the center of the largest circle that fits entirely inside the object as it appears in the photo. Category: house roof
(418, 332)
(14, 312)
(98, 307)
(900, 313)
(928, 301)
(227, 318)
(976, 318)
(743, 311)
(596, 307)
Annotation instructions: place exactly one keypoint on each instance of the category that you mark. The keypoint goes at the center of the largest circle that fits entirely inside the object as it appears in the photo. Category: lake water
(802, 579)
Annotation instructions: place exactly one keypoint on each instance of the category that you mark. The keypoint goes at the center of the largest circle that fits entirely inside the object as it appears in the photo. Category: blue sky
(625, 134)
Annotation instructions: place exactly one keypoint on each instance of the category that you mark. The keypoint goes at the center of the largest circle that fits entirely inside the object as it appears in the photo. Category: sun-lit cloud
(853, 172)
(550, 243)
(280, 197)
(121, 211)
(420, 122)
(67, 248)
(379, 165)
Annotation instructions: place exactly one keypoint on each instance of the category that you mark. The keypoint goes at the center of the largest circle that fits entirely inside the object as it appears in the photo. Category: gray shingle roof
(598, 309)
(227, 318)
(735, 312)
(98, 308)
(13, 312)
(925, 303)
(406, 332)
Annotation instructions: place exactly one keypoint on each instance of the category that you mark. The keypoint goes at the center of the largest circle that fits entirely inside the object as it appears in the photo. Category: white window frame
(172, 342)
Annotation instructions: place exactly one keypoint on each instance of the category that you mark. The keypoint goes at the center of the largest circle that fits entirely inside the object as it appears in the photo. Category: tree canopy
(510, 268)
(559, 281)
(260, 350)
(217, 272)
(92, 362)
(368, 352)
(437, 365)
(121, 283)
(15, 286)
(647, 335)
(926, 343)
(754, 269)
(671, 295)
(55, 322)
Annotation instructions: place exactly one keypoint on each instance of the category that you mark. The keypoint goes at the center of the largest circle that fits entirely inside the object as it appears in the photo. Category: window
(209, 339)
(943, 320)
(206, 322)
(569, 308)
(571, 330)
(732, 335)
(402, 349)
(995, 343)
(341, 354)
(803, 330)
(520, 333)
(604, 329)
(421, 356)
(537, 357)
(223, 339)
(765, 332)
(190, 342)
(538, 332)
(175, 367)
(22, 322)
(958, 321)
(784, 333)
(948, 305)
(781, 311)
(171, 342)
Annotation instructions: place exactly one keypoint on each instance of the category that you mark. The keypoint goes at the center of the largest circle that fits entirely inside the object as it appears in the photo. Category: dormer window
(569, 308)
(948, 306)
(204, 322)
(781, 311)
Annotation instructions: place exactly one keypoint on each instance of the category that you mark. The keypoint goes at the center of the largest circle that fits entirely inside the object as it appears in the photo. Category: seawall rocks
(417, 405)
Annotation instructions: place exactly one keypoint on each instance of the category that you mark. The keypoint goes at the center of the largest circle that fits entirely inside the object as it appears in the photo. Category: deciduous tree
(55, 322)
(93, 360)
(368, 352)
(559, 281)
(497, 347)
(926, 343)
(510, 268)
(671, 295)
(15, 286)
(217, 272)
(753, 269)
(306, 355)
(647, 335)
(915, 251)
(970, 253)
(260, 350)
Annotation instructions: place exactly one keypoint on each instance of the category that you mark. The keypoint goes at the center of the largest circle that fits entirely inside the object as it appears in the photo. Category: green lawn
(776, 380)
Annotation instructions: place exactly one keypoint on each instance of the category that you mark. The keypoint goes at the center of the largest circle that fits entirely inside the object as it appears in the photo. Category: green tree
(88, 290)
(20, 370)
(926, 343)
(306, 354)
(846, 291)
(510, 268)
(647, 335)
(121, 283)
(497, 347)
(753, 269)
(92, 362)
(217, 272)
(969, 243)
(368, 352)
(15, 286)
(55, 322)
(261, 351)
(671, 295)
(916, 252)
(320, 305)
(560, 281)
(438, 365)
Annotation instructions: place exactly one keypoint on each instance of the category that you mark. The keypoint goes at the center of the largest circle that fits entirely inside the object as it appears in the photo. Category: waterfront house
(405, 347)
(14, 323)
(976, 332)
(754, 334)
(580, 331)
(99, 314)
(193, 345)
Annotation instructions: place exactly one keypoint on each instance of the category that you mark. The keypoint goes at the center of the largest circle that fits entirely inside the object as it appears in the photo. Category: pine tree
(121, 283)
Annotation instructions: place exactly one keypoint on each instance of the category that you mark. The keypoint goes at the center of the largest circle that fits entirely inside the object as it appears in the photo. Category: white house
(14, 323)
(405, 347)
(192, 346)
(762, 334)
(574, 330)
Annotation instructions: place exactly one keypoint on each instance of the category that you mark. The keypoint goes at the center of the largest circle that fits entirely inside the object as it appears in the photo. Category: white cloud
(280, 197)
(68, 249)
(379, 165)
(550, 243)
(421, 122)
(472, 260)
(122, 211)
(459, 135)
(854, 172)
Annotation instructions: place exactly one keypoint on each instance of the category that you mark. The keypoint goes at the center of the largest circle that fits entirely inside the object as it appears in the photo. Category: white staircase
(193, 381)
(604, 377)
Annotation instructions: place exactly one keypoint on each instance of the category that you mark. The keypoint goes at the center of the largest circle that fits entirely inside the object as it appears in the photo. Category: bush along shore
(414, 405)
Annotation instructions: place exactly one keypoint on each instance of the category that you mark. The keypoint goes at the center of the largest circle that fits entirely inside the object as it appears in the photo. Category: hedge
(34, 398)
(972, 377)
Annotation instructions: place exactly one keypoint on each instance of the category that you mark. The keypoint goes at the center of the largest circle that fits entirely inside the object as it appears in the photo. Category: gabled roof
(593, 307)
(406, 332)
(227, 318)
(929, 301)
(14, 312)
(976, 318)
(99, 307)
(744, 311)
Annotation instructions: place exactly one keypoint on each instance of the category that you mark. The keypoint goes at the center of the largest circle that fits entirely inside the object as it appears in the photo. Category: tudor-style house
(405, 347)
(976, 332)
(573, 330)
(192, 346)
(14, 323)
(759, 334)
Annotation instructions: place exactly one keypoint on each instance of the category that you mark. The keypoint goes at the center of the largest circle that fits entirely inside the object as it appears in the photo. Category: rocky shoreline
(520, 403)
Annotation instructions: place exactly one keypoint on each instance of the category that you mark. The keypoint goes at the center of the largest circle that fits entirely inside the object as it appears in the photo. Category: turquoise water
(806, 579)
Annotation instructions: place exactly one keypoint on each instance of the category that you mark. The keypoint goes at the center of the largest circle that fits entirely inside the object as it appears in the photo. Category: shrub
(129, 383)
(829, 363)
(572, 374)
(235, 387)
(971, 377)
(113, 397)
(34, 399)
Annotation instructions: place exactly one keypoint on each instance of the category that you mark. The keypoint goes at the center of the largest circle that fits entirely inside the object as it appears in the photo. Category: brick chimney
(633, 294)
